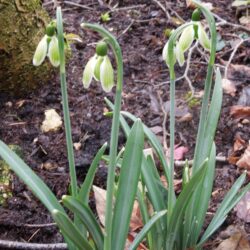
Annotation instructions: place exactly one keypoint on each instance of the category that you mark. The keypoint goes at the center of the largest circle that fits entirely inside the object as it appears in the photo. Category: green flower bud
(101, 48)
(106, 75)
(186, 38)
(203, 38)
(41, 51)
(50, 30)
(53, 52)
(179, 55)
(88, 72)
(97, 68)
(196, 15)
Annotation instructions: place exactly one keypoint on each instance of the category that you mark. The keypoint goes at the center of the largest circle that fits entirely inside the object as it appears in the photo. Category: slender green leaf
(223, 209)
(86, 186)
(146, 229)
(127, 185)
(35, 183)
(87, 218)
(201, 198)
(176, 220)
(70, 230)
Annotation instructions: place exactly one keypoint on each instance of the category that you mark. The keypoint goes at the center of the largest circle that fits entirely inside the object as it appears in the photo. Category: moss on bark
(22, 26)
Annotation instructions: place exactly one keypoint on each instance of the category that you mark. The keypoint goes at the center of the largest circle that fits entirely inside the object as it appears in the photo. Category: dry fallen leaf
(239, 143)
(237, 241)
(245, 20)
(100, 199)
(228, 87)
(177, 184)
(240, 112)
(243, 208)
(244, 161)
(156, 129)
(179, 152)
(191, 5)
(52, 121)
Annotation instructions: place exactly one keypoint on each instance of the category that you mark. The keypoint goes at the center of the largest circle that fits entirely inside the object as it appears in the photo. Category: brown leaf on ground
(179, 152)
(243, 208)
(244, 161)
(177, 184)
(237, 241)
(100, 199)
(228, 87)
(240, 112)
(191, 5)
(238, 69)
(239, 143)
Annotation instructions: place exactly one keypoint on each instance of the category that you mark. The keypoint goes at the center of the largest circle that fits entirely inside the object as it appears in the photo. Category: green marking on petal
(186, 38)
(40, 52)
(180, 55)
(203, 38)
(165, 55)
(53, 52)
(107, 75)
(89, 71)
(97, 68)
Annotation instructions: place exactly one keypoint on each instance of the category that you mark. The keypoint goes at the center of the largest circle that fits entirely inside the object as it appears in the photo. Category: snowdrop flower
(47, 46)
(100, 68)
(194, 31)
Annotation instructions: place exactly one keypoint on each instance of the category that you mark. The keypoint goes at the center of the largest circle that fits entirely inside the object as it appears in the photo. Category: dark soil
(144, 71)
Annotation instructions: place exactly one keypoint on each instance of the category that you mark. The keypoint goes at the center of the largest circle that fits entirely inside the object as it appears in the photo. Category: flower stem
(114, 131)
(66, 115)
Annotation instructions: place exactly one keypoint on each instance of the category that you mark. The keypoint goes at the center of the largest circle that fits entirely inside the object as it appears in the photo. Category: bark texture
(22, 26)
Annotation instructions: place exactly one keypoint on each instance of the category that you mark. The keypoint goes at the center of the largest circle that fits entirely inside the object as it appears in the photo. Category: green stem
(66, 115)
(114, 131)
(198, 155)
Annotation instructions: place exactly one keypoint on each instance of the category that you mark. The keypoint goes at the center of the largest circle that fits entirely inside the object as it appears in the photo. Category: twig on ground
(190, 162)
(126, 30)
(6, 244)
(163, 8)
(233, 54)
(165, 145)
(78, 5)
(39, 225)
(224, 22)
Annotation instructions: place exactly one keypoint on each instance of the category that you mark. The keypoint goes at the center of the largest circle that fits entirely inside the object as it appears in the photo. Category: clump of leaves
(192, 101)
(105, 17)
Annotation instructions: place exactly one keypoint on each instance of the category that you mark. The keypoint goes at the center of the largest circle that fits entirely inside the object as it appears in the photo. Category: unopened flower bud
(179, 55)
(165, 54)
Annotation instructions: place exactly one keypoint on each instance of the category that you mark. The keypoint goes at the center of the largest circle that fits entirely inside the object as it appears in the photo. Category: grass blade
(146, 229)
(70, 230)
(127, 187)
(87, 218)
(83, 195)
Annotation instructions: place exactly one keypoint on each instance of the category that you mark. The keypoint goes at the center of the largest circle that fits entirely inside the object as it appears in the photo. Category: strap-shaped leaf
(83, 195)
(127, 186)
(87, 218)
(228, 203)
(35, 183)
(70, 230)
(176, 220)
(146, 229)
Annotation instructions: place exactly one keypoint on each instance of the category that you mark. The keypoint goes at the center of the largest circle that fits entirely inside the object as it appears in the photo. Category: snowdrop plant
(182, 226)
(100, 68)
(48, 46)
(193, 30)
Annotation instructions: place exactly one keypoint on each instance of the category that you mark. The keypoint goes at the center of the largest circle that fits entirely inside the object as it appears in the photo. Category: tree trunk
(22, 26)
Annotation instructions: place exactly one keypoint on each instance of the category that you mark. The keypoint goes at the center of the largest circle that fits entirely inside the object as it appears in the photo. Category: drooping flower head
(192, 32)
(48, 46)
(100, 68)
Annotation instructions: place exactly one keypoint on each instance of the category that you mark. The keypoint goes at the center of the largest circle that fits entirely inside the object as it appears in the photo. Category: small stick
(6, 244)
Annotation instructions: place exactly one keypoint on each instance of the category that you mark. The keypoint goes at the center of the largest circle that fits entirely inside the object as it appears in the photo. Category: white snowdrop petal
(89, 72)
(106, 75)
(180, 55)
(53, 52)
(203, 38)
(186, 39)
(40, 52)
